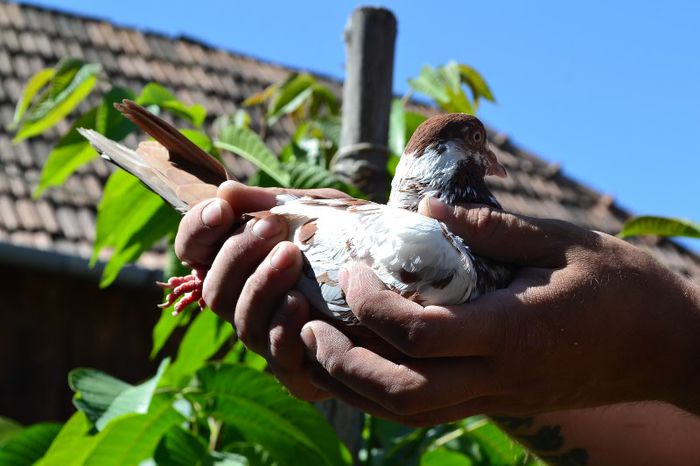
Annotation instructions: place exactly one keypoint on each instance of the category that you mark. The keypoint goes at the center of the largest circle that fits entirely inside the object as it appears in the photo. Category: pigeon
(416, 256)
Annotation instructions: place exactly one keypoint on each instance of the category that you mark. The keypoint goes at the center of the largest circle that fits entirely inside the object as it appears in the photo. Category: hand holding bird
(415, 256)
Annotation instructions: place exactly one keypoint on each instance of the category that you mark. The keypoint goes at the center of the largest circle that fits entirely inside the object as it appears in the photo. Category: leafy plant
(659, 226)
(214, 405)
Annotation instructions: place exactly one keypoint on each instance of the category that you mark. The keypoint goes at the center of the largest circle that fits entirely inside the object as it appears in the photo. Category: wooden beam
(369, 47)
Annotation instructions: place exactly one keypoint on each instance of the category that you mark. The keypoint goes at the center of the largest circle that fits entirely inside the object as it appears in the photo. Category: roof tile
(63, 220)
(8, 214)
(27, 213)
(47, 217)
(9, 40)
(68, 222)
(14, 12)
(4, 18)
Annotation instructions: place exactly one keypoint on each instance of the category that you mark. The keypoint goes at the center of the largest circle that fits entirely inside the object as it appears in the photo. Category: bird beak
(492, 165)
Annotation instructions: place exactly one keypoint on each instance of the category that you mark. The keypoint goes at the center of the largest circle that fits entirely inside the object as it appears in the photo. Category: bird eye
(476, 136)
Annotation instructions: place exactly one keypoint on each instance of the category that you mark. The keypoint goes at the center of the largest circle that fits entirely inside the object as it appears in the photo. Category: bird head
(447, 157)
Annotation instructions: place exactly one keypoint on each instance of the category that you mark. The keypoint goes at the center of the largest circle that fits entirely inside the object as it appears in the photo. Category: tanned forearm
(649, 433)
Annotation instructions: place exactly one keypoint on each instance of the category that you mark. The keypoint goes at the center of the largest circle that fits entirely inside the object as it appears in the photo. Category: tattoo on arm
(546, 442)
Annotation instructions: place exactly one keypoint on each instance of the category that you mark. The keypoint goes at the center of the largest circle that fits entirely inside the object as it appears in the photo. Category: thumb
(508, 237)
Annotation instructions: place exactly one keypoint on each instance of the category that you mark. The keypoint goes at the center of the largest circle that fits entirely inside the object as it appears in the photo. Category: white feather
(390, 240)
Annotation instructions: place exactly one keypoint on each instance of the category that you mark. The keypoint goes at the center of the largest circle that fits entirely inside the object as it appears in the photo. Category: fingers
(286, 353)
(324, 381)
(202, 231)
(473, 329)
(262, 293)
(405, 389)
(237, 259)
(246, 199)
(508, 237)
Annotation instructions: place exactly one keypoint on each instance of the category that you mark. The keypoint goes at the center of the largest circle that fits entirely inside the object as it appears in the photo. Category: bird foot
(185, 291)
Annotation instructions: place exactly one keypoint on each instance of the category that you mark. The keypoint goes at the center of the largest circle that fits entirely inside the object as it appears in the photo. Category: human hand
(249, 270)
(587, 320)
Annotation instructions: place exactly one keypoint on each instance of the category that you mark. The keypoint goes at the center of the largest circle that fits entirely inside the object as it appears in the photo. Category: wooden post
(369, 46)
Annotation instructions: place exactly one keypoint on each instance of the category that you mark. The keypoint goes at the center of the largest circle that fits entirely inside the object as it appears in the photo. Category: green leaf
(131, 219)
(125, 441)
(476, 82)
(254, 453)
(109, 121)
(247, 144)
(444, 86)
(307, 176)
(659, 226)
(33, 86)
(205, 336)
(102, 397)
(322, 96)
(155, 94)
(397, 128)
(329, 126)
(444, 457)
(262, 96)
(26, 447)
(8, 428)
(72, 444)
(166, 325)
(132, 438)
(73, 150)
(239, 354)
(71, 83)
(430, 83)
(494, 443)
(218, 458)
(291, 95)
(292, 431)
(95, 391)
(135, 399)
(201, 140)
(180, 448)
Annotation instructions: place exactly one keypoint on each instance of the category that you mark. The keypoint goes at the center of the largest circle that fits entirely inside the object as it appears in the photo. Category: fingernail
(280, 258)
(211, 214)
(434, 207)
(309, 339)
(267, 228)
(292, 302)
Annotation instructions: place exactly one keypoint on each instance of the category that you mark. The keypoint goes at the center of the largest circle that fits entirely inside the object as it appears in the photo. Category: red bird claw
(185, 291)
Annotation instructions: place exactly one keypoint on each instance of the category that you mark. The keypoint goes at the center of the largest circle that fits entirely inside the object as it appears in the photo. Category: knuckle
(485, 221)
(364, 307)
(413, 339)
(368, 305)
(332, 364)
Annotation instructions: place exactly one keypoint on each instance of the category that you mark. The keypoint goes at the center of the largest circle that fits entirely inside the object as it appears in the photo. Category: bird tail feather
(172, 166)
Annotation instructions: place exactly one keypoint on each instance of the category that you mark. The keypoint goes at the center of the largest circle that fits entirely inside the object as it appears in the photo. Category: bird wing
(172, 165)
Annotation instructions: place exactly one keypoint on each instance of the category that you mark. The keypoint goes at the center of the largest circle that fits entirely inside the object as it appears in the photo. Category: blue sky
(609, 90)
